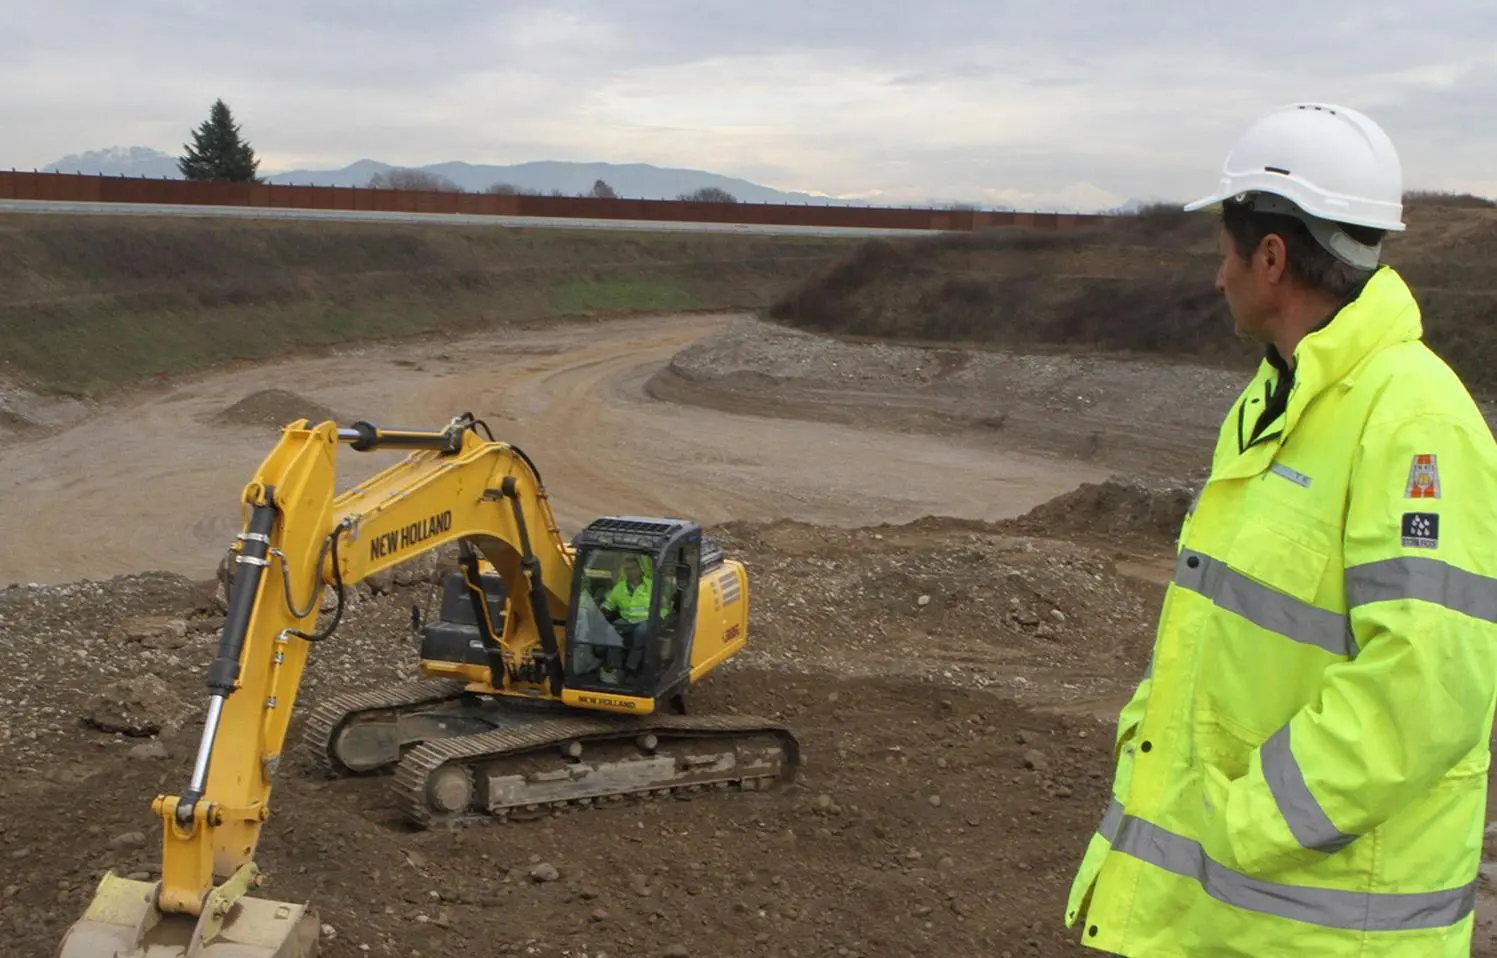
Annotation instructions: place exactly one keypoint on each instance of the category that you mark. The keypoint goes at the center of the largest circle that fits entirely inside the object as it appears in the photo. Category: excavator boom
(504, 728)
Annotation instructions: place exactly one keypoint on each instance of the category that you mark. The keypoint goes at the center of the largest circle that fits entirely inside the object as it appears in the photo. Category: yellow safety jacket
(1303, 769)
(632, 605)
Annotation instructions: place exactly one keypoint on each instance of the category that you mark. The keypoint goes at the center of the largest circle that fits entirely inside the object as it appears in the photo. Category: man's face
(1239, 281)
(631, 573)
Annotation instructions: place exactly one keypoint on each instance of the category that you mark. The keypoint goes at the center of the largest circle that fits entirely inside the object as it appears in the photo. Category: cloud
(1060, 104)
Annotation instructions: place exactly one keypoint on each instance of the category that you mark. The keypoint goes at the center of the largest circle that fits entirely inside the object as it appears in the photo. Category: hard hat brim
(1212, 202)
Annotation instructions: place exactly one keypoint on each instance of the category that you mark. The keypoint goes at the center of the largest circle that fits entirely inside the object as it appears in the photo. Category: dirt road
(154, 482)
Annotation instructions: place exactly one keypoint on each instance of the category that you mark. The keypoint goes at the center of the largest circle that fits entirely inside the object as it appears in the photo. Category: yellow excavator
(542, 687)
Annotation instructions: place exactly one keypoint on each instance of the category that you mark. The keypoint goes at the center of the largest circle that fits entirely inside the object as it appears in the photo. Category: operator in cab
(627, 607)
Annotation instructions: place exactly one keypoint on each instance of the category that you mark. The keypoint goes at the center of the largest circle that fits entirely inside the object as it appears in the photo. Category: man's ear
(1275, 258)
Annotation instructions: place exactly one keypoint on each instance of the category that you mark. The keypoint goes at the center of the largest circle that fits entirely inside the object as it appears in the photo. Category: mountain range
(629, 180)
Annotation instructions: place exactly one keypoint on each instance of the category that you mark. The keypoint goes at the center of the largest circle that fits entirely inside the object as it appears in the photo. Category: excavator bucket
(123, 921)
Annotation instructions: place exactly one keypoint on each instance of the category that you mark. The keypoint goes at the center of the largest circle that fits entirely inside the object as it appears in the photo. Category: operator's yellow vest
(632, 606)
(1303, 770)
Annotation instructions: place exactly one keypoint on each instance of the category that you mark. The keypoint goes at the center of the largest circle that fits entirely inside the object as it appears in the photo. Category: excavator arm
(299, 537)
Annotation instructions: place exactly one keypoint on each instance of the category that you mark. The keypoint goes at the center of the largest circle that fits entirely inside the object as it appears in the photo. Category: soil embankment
(1140, 285)
(89, 305)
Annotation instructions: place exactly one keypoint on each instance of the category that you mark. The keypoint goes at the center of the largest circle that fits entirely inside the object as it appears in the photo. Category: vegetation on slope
(91, 303)
(1141, 284)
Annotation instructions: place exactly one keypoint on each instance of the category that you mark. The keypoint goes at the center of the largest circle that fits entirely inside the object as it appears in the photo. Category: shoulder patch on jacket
(1421, 530)
(1424, 478)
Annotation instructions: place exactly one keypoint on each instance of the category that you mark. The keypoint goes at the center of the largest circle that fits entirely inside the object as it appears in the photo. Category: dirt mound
(274, 408)
(952, 601)
(1119, 414)
(24, 413)
(1118, 510)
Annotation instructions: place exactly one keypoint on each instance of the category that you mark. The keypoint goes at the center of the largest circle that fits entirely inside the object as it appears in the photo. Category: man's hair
(1313, 264)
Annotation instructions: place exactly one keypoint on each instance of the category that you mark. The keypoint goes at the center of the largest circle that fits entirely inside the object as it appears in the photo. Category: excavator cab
(604, 652)
(608, 653)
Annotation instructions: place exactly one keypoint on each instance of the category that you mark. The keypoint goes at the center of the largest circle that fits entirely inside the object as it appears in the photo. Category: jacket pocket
(1288, 554)
(1224, 743)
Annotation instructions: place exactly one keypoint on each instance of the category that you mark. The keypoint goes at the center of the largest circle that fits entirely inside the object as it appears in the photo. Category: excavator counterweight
(554, 676)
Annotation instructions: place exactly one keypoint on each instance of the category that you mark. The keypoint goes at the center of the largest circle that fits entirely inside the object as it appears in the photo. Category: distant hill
(629, 180)
(119, 161)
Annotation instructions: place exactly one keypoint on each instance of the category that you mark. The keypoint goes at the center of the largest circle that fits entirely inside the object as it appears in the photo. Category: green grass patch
(586, 297)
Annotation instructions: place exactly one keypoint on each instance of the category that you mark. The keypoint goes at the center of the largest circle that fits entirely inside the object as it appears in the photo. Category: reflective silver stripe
(1352, 910)
(1298, 478)
(1309, 823)
(1262, 606)
(1417, 577)
(1111, 819)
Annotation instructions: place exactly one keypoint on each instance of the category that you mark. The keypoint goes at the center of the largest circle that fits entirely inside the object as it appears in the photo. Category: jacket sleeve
(615, 596)
(1130, 717)
(1417, 698)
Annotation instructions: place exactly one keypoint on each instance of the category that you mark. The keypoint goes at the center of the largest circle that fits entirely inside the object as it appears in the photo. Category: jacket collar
(1384, 313)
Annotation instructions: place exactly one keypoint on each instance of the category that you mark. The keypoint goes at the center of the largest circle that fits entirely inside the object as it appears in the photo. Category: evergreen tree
(217, 151)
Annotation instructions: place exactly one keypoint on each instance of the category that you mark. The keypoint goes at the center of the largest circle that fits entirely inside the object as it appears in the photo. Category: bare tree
(708, 194)
(407, 179)
(602, 190)
(509, 189)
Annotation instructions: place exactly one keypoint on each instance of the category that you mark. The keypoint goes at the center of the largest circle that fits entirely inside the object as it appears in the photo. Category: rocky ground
(940, 809)
(953, 679)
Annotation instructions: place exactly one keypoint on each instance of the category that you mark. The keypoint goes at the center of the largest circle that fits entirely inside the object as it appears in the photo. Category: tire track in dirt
(154, 481)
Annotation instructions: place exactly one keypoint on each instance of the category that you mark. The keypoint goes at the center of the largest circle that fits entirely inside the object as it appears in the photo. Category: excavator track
(540, 764)
(331, 718)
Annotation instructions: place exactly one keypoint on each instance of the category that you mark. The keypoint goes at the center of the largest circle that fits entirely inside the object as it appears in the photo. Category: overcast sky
(1081, 102)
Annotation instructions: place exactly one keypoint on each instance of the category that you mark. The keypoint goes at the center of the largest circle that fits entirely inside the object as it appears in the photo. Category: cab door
(675, 613)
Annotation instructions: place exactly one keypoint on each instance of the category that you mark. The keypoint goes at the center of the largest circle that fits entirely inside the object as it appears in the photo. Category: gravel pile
(1144, 388)
(952, 602)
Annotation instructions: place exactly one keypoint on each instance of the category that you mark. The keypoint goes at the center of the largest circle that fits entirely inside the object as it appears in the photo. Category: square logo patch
(1424, 478)
(1421, 530)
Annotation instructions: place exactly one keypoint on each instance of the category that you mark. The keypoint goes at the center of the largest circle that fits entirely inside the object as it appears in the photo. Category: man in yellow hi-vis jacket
(1303, 769)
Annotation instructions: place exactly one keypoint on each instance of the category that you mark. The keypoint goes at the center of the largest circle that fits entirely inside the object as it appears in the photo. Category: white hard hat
(1331, 162)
